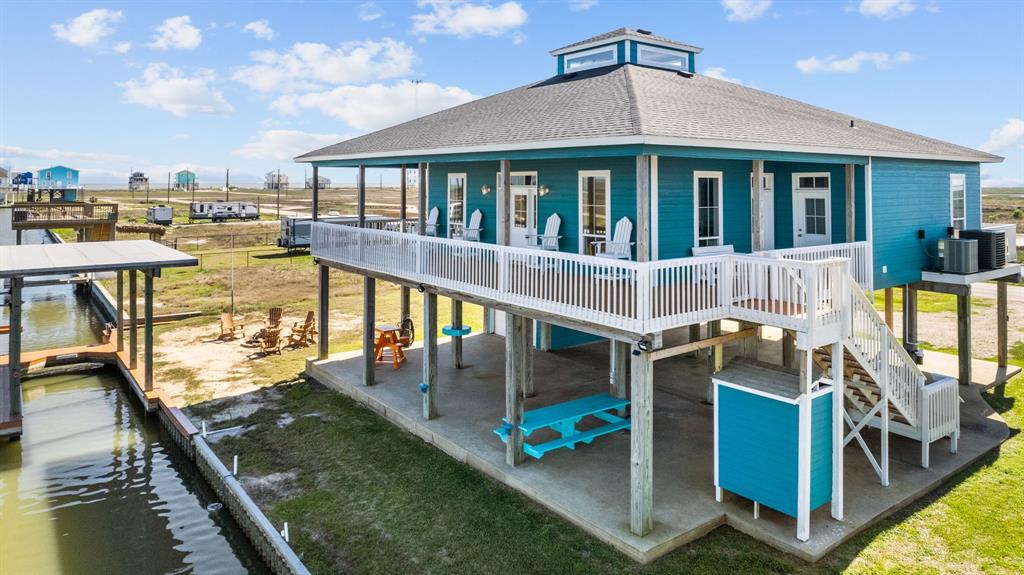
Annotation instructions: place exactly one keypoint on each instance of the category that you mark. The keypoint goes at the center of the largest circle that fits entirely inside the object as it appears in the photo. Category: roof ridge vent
(644, 32)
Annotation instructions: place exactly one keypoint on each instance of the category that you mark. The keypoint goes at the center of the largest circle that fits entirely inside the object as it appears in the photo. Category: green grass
(369, 498)
(929, 302)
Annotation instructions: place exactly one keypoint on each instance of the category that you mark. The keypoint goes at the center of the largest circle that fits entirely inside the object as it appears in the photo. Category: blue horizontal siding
(911, 195)
(821, 450)
(783, 174)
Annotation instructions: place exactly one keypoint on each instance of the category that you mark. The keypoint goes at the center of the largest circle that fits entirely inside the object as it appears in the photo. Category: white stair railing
(879, 351)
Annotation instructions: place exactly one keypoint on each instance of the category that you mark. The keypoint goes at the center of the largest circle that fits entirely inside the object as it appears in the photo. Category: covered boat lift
(20, 262)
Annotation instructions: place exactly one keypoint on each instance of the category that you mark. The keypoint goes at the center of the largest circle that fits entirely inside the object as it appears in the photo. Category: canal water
(95, 486)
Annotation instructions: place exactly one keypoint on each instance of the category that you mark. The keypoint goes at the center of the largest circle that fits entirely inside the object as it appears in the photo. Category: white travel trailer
(220, 211)
(162, 215)
(295, 230)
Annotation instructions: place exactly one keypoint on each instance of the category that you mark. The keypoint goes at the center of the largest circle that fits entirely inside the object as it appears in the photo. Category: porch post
(544, 336)
(147, 318)
(963, 339)
(514, 371)
(369, 323)
(716, 357)
(316, 192)
(421, 206)
(361, 196)
(323, 317)
(618, 368)
(756, 234)
(1001, 320)
(403, 214)
(838, 428)
(133, 320)
(119, 322)
(503, 199)
(429, 385)
(851, 204)
(643, 208)
(528, 390)
(788, 348)
(456, 340)
(14, 347)
(641, 437)
(803, 481)
(748, 346)
(890, 308)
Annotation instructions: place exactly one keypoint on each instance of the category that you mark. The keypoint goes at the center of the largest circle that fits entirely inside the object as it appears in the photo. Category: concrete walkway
(590, 485)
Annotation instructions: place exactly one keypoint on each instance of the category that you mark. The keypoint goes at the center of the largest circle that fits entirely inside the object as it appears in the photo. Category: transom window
(813, 182)
(707, 188)
(662, 58)
(957, 201)
(595, 200)
(523, 179)
(456, 204)
(603, 56)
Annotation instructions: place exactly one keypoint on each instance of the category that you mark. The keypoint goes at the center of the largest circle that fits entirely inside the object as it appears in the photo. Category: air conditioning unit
(958, 256)
(991, 247)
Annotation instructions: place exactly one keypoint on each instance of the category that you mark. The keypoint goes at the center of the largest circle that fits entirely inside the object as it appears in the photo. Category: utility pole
(227, 185)
(131, 184)
(168, 188)
(278, 186)
(190, 180)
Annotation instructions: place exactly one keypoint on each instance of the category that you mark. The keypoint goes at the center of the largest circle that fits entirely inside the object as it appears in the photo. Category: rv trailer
(162, 215)
(221, 211)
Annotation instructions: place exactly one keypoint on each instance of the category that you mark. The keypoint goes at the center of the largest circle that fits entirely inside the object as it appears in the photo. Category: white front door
(812, 209)
(767, 211)
(523, 216)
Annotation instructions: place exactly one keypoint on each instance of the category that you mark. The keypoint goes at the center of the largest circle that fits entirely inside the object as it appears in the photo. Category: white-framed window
(958, 201)
(595, 208)
(662, 58)
(707, 209)
(456, 204)
(596, 57)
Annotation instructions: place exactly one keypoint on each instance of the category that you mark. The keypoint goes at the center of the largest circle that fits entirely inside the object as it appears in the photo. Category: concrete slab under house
(610, 218)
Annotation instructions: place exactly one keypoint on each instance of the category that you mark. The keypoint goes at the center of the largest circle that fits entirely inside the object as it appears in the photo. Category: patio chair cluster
(269, 338)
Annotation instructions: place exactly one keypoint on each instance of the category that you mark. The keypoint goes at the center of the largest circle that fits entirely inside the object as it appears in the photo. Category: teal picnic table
(563, 417)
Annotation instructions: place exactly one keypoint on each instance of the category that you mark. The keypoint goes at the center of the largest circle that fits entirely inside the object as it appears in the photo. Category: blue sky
(157, 86)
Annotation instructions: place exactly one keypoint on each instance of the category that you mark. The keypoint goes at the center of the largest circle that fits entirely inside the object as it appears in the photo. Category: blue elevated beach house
(640, 237)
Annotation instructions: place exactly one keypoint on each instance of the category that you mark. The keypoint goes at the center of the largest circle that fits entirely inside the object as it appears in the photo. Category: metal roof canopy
(48, 259)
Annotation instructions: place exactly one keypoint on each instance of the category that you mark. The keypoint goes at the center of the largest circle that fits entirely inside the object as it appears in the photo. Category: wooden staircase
(862, 390)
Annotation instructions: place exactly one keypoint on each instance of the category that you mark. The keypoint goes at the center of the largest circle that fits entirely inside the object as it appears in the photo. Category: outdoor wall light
(485, 189)
(421, 288)
(543, 190)
(644, 345)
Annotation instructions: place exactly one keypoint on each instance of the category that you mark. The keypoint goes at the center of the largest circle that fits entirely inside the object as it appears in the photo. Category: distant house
(138, 181)
(57, 178)
(324, 182)
(275, 179)
(5, 178)
(184, 180)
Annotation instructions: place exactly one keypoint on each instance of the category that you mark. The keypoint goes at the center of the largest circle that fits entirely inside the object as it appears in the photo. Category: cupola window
(603, 56)
(662, 58)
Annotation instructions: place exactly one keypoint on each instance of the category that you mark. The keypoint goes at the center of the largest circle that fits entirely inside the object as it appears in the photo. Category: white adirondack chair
(619, 248)
(549, 239)
(431, 223)
(471, 231)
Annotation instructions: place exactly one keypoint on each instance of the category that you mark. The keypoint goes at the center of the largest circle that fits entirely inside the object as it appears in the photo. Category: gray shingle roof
(634, 104)
(631, 32)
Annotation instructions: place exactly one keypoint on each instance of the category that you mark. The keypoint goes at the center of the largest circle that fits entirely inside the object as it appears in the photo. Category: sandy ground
(227, 366)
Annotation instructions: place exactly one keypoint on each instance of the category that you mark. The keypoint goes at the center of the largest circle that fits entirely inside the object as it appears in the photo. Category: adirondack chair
(229, 328)
(549, 239)
(302, 332)
(431, 223)
(619, 248)
(471, 232)
(270, 342)
(273, 321)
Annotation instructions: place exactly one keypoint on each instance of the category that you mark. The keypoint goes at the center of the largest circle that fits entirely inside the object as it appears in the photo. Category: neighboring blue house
(184, 180)
(57, 178)
(646, 165)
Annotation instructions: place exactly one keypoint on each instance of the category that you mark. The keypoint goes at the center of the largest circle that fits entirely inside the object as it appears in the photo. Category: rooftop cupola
(626, 46)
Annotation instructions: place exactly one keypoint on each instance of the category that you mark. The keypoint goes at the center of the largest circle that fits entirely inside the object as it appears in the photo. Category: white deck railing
(641, 298)
(858, 253)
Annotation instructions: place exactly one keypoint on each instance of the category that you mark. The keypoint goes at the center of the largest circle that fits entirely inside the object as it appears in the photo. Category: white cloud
(55, 155)
(718, 73)
(745, 10)
(465, 19)
(1002, 182)
(1009, 135)
(177, 32)
(260, 29)
(171, 90)
(88, 28)
(284, 144)
(851, 64)
(309, 66)
(886, 9)
(122, 47)
(369, 11)
(377, 105)
(582, 5)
